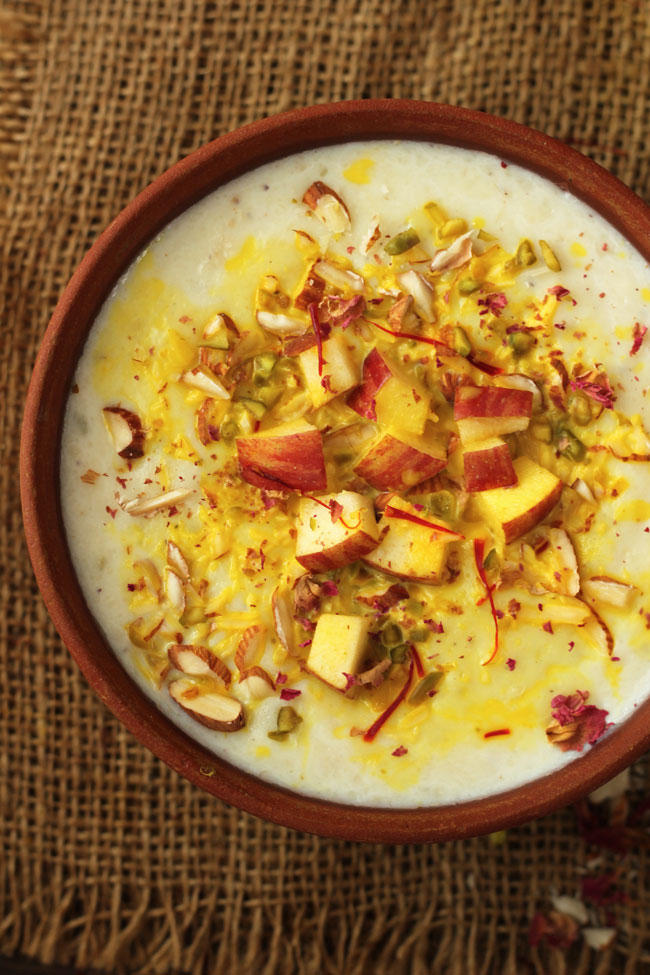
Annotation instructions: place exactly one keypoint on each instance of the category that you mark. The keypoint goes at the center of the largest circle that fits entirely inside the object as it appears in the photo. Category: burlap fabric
(110, 861)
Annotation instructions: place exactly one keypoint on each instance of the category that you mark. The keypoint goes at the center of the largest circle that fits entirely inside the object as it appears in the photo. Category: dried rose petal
(639, 335)
(575, 723)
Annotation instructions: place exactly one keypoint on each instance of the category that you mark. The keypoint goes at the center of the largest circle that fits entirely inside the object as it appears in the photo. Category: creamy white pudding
(433, 500)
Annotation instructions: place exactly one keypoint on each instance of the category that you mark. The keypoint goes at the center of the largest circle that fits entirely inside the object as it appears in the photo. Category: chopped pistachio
(287, 720)
(570, 446)
(419, 635)
(462, 344)
(521, 342)
(442, 503)
(254, 406)
(491, 559)
(229, 429)
(399, 654)
(467, 286)
(425, 686)
(391, 635)
(402, 242)
(550, 257)
(263, 366)
(525, 255)
(580, 408)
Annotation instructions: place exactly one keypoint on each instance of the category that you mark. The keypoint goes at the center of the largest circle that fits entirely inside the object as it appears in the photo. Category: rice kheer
(355, 474)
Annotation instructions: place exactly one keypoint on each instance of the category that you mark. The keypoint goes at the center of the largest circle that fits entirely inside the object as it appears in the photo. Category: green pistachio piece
(579, 408)
(399, 654)
(402, 242)
(263, 366)
(391, 635)
(425, 686)
(525, 255)
(443, 504)
(521, 342)
(570, 446)
(491, 560)
(253, 406)
(419, 635)
(467, 286)
(550, 257)
(229, 429)
(288, 719)
(462, 344)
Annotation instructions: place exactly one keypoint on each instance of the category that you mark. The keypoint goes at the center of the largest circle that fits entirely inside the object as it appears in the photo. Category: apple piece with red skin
(395, 464)
(340, 369)
(491, 411)
(375, 373)
(410, 550)
(322, 543)
(337, 648)
(515, 510)
(488, 465)
(289, 457)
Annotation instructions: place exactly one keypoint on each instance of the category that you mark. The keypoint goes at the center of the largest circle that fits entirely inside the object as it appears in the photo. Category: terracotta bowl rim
(170, 194)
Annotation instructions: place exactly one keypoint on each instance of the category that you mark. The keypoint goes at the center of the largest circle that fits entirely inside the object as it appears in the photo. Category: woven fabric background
(109, 861)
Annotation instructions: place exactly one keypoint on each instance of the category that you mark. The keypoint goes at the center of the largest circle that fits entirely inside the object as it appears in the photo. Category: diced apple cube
(396, 464)
(338, 648)
(488, 465)
(491, 411)
(408, 549)
(402, 405)
(515, 510)
(289, 456)
(341, 369)
(324, 544)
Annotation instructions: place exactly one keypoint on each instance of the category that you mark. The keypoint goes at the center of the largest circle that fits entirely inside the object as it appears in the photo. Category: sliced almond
(177, 561)
(328, 206)
(249, 648)
(563, 548)
(607, 590)
(208, 420)
(413, 283)
(457, 254)
(175, 591)
(257, 682)
(403, 315)
(371, 236)
(201, 378)
(339, 277)
(149, 573)
(147, 506)
(209, 708)
(281, 604)
(221, 328)
(582, 488)
(142, 631)
(213, 359)
(125, 430)
(198, 661)
(281, 324)
(312, 290)
(518, 381)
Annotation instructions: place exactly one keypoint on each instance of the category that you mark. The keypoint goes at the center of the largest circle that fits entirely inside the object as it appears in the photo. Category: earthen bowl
(173, 192)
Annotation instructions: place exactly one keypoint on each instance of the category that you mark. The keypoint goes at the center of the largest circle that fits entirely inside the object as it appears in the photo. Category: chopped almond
(328, 207)
(215, 711)
(125, 430)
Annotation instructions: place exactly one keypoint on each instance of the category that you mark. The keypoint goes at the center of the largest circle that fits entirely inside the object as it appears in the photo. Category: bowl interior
(171, 194)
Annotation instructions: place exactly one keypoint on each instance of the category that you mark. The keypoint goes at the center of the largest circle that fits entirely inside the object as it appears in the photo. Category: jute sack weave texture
(111, 862)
